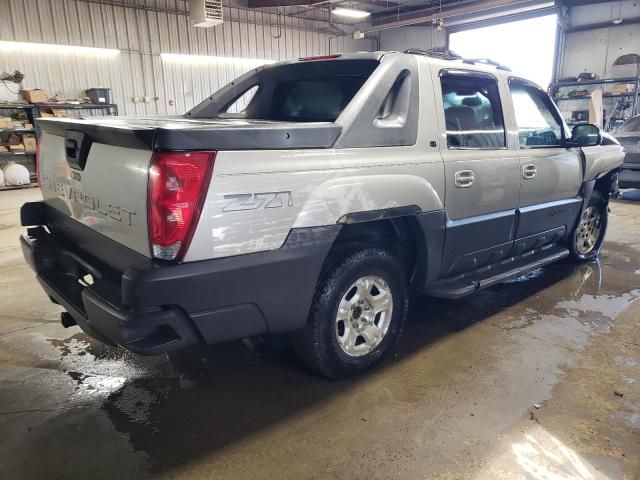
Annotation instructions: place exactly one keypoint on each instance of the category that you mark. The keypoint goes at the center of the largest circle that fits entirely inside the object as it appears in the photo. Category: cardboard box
(28, 125)
(17, 148)
(14, 139)
(6, 123)
(57, 112)
(622, 88)
(3, 148)
(35, 95)
(30, 144)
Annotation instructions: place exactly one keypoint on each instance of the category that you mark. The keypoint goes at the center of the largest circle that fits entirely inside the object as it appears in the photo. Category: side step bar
(484, 277)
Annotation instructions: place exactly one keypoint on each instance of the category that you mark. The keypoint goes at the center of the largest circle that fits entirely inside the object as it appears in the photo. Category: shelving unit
(559, 90)
(16, 154)
(28, 159)
(34, 111)
(597, 81)
(17, 130)
(110, 108)
(587, 97)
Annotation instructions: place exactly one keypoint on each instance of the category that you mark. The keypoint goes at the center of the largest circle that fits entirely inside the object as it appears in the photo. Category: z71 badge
(254, 201)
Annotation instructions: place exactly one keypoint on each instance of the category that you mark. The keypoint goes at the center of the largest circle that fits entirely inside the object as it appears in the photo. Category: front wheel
(588, 235)
(357, 315)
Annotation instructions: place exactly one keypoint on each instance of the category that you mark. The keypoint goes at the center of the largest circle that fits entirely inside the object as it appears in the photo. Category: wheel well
(401, 236)
(606, 184)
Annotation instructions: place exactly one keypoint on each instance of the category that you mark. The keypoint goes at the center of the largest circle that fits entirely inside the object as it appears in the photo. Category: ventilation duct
(205, 13)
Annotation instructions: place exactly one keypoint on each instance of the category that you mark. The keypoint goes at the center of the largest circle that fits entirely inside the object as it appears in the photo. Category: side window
(472, 111)
(538, 124)
(240, 104)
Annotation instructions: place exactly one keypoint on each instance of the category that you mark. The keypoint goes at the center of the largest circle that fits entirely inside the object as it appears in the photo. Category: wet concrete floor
(532, 379)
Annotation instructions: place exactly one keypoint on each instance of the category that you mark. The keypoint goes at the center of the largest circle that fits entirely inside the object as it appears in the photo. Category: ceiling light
(53, 48)
(350, 12)
(178, 57)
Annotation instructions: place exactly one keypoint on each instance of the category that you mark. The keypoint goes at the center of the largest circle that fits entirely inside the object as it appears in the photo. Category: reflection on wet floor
(464, 373)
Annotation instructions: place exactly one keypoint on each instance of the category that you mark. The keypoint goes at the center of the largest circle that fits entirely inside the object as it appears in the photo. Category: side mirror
(585, 135)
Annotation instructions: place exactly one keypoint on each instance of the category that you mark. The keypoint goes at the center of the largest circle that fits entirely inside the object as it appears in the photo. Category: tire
(370, 287)
(586, 239)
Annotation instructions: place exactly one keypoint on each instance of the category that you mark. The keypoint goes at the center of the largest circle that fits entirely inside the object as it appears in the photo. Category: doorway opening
(525, 46)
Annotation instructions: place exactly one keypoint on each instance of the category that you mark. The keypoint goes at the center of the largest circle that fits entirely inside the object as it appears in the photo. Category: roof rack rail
(440, 53)
(444, 54)
(486, 61)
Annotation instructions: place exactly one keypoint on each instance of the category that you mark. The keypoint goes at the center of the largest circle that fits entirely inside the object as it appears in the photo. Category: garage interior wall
(142, 30)
(595, 50)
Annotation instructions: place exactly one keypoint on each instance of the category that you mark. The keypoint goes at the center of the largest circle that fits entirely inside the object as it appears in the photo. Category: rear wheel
(357, 315)
(588, 235)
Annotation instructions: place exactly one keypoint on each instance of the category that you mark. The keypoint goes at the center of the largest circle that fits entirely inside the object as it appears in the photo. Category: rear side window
(472, 111)
(538, 123)
(315, 99)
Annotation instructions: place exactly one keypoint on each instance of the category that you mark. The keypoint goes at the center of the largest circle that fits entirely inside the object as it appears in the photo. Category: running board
(484, 277)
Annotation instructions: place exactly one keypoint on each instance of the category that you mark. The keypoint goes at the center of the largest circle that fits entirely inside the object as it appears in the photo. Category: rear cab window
(313, 91)
(314, 99)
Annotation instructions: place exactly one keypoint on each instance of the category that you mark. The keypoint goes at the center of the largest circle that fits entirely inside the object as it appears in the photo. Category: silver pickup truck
(312, 197)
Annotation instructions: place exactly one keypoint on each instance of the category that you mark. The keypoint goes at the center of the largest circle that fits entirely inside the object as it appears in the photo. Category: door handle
(529, 171)
(464, 178)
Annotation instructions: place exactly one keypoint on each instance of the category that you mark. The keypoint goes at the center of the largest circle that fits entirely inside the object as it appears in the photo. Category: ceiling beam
(303, 3)
(379, 3)
(280, 3)
(578, 3)
(399, 18)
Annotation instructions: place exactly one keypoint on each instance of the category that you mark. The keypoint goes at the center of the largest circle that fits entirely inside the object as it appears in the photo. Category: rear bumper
(151, 308)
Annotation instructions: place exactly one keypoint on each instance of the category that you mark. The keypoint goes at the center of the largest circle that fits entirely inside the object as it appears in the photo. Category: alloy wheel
(364, 315)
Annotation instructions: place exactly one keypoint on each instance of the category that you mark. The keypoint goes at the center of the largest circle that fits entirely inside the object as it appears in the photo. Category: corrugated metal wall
(141, 32)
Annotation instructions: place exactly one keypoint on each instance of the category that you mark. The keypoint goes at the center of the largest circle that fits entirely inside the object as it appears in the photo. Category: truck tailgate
(108, 195)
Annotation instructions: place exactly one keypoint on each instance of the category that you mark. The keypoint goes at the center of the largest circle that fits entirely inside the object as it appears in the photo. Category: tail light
(177, 189)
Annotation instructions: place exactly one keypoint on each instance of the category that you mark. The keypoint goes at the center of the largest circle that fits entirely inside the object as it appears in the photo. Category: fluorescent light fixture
(53, 48)
(183, 58)
(350, 12)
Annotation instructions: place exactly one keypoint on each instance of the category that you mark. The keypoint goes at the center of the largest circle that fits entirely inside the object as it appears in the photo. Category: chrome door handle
(464, 178)
(529, 171)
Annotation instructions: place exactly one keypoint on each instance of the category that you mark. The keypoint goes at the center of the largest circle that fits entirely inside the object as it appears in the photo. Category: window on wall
(472, 111)
(537, 121)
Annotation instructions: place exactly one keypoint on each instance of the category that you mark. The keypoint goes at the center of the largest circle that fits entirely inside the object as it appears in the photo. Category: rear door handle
(464, 178)
(529, 171)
